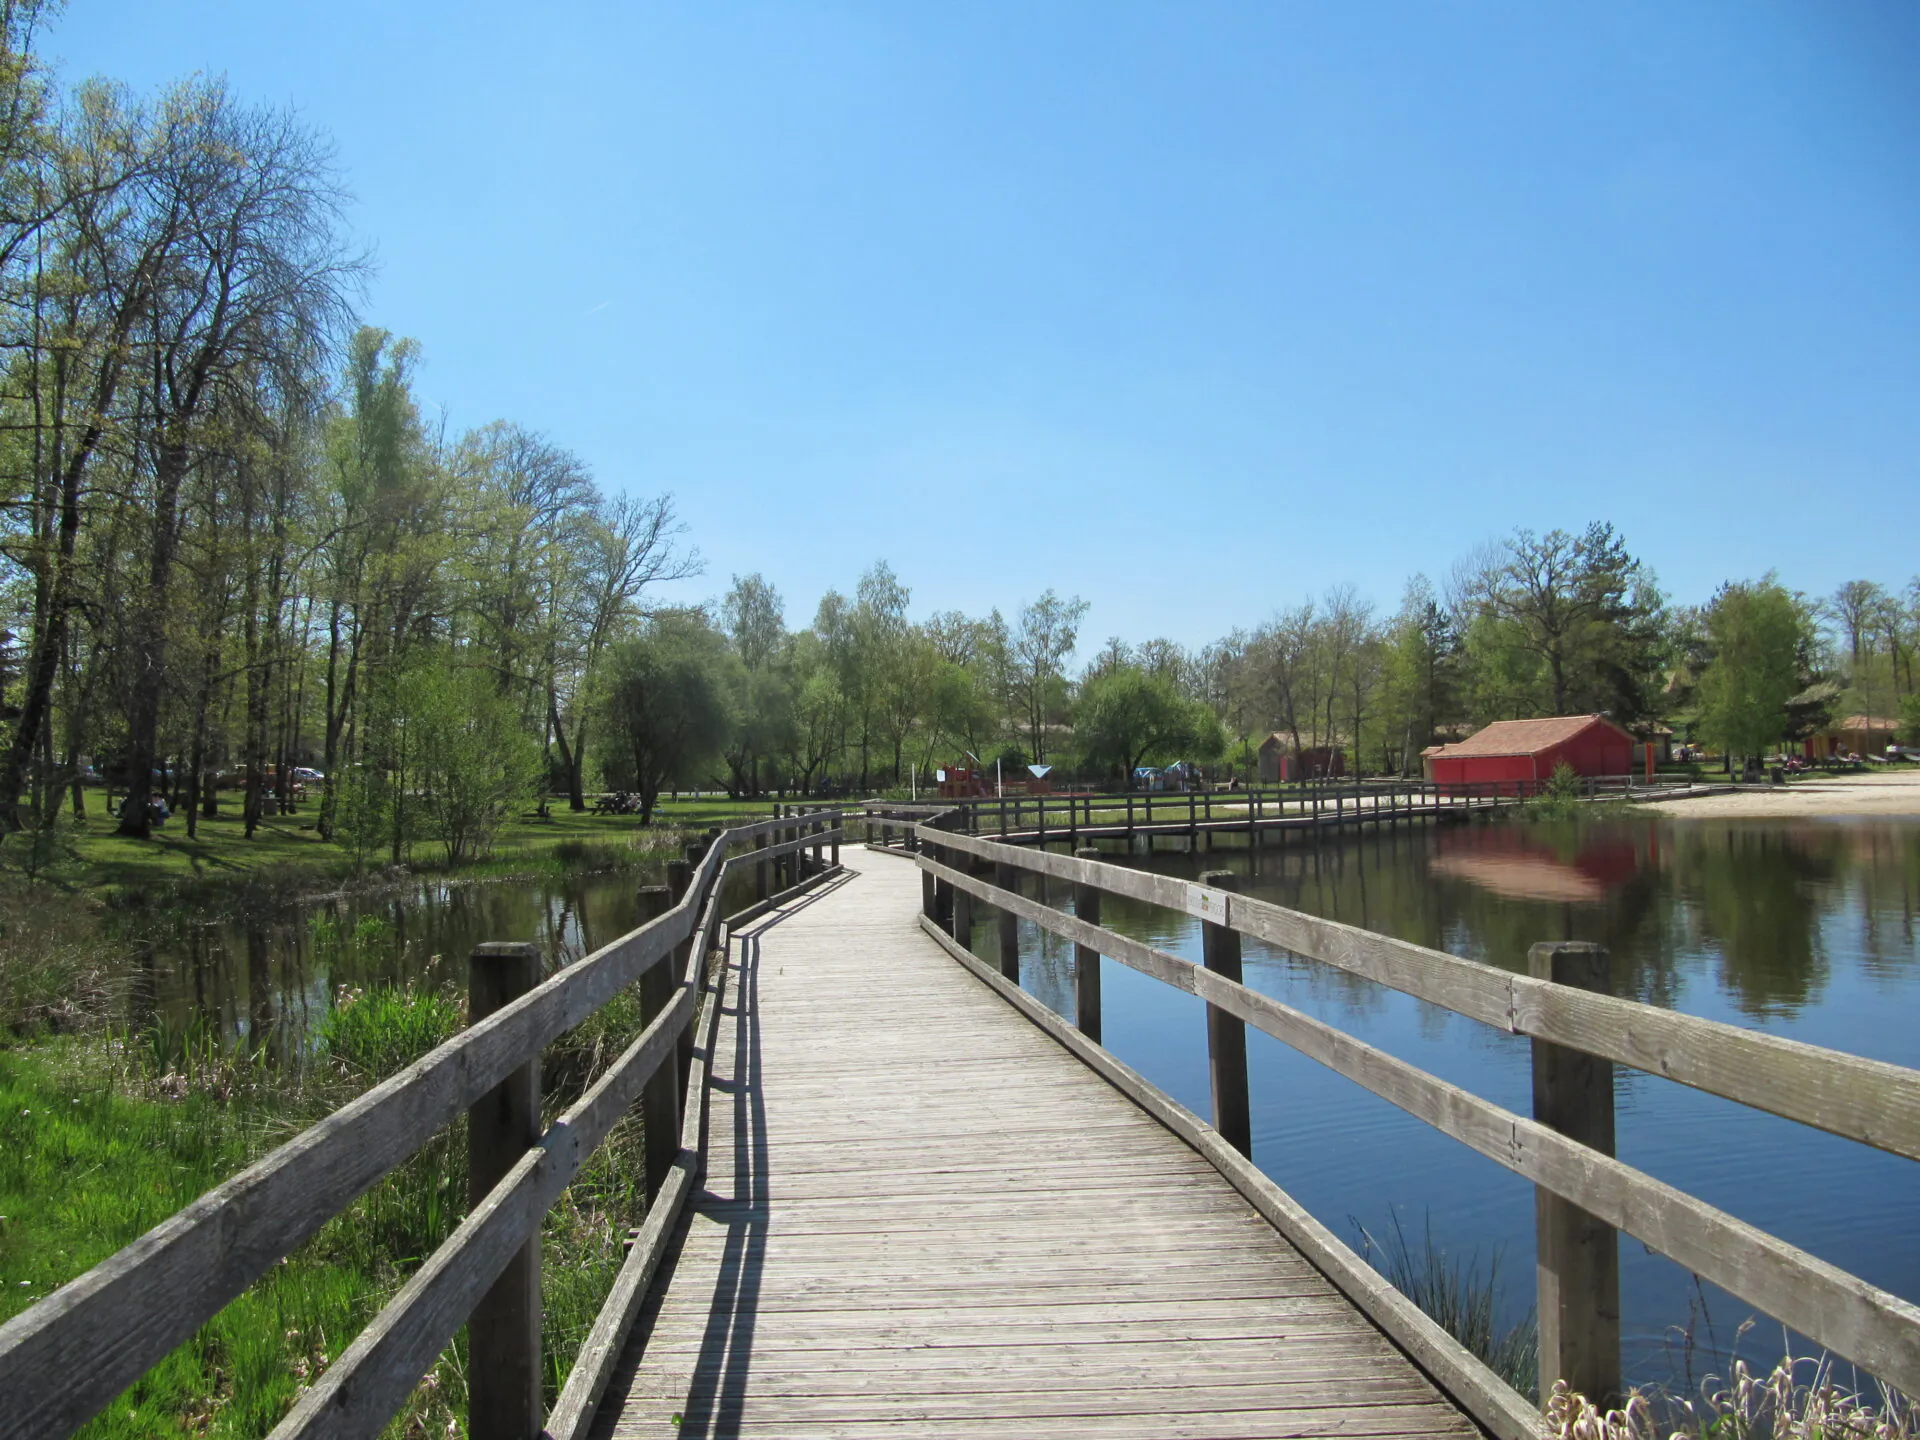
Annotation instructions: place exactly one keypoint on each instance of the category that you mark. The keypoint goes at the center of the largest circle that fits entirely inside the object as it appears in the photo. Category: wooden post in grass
(1579, 1255)
(685, 965)
(660, 1099)
(1226, 1034)
(504, 1374)
(1086, 959)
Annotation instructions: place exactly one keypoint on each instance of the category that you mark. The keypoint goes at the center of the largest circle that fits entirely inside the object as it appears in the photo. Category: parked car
(303, 772)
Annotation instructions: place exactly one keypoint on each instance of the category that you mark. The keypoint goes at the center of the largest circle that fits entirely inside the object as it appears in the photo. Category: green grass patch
(222, 868)
(101, 1138)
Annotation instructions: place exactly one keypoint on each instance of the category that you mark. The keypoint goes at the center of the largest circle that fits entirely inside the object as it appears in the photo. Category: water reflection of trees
(267, 977)
(1655, 892)
(1757, 895)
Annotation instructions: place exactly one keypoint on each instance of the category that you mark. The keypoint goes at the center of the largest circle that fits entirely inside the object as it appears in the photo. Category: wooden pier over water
(892, 1194)
(1207, 818)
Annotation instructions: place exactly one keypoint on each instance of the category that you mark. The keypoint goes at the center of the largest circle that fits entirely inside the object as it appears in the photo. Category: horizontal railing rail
(67, 1357)
(1565, 1152)
(1063, 817)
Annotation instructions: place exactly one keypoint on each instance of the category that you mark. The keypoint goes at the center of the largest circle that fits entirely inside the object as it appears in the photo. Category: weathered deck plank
(922, 1217)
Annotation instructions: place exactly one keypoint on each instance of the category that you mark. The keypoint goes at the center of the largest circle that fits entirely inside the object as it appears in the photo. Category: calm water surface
(1804, 929)
(273, 978)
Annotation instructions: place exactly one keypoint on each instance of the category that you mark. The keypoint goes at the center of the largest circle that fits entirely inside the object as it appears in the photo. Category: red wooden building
(1515, 755)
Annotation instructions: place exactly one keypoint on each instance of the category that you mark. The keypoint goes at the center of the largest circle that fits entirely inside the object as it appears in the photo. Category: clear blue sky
(1189, 308)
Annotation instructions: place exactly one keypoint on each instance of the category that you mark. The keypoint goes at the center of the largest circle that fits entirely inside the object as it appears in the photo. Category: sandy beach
(1878, 795)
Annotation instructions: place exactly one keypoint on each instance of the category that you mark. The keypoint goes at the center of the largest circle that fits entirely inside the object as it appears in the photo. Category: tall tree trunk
(150, 631)
(49, 641)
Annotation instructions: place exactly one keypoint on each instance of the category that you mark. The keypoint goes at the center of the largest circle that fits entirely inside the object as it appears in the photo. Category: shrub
(376, 1033)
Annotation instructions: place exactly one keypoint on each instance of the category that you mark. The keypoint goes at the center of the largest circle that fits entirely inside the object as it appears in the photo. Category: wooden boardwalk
(923, 1217)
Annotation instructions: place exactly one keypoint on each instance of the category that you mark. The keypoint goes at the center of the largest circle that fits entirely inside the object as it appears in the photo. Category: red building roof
(1525, 737)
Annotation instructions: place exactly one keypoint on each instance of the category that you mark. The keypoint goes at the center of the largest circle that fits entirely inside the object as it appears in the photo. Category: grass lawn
(93, 858)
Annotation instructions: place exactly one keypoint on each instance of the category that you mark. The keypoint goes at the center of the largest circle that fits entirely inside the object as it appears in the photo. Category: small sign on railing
(1205, 903)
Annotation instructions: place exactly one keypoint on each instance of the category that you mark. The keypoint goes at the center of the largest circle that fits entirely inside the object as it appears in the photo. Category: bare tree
(254, 278)
(1048, 631)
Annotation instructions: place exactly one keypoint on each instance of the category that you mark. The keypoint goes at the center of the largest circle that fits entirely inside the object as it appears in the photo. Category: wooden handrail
(65, 1358)
(1870, 1101)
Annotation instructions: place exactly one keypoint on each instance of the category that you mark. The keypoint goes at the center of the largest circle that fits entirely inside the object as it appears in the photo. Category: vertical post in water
(1086, 959)
(503, 1333)
(1008, 878)
(1579, 1264)
(1226, 1034)
(962, 930)
(660, 1100)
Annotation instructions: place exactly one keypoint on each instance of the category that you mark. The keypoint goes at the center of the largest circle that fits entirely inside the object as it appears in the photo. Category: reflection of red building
(1510, 862)
(1513, 756)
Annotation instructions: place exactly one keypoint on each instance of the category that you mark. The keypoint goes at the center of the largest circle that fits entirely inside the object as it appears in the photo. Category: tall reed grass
(1461, 1298)
(102, 1136)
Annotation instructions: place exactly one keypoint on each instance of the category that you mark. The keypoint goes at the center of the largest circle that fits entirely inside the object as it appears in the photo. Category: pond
(1801, 929)
(271, 978)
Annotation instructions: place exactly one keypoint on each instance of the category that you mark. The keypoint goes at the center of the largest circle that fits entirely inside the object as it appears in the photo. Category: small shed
(1516, 755)
(1853, 734)
(1280, 762)
(1656, 734)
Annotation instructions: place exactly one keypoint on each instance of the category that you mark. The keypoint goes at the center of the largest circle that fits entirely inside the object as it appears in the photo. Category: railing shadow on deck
(726, 1344)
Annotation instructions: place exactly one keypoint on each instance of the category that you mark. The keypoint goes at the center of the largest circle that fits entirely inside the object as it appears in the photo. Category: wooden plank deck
(922, 1217)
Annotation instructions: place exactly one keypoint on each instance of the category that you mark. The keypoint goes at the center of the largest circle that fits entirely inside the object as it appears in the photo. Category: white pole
(999, 789)
(913, 781)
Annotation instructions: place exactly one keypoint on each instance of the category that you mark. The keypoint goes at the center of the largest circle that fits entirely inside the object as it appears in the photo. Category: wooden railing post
(682, 956)
(1226, 1034)
(504, 1372)
(1086, 959)
(1008, 878)
(1579, 1255)
(760, 891)
(962, 925)
(660, 1099)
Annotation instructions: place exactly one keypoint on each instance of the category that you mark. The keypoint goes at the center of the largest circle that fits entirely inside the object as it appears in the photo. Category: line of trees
(231, 544)
(1560, 623)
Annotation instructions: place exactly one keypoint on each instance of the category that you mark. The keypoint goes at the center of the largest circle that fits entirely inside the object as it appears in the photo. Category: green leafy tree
(1127, 715)
(474, 761)
(1758, 634)
(1590, 613)
(665, 711)
(1048, 631)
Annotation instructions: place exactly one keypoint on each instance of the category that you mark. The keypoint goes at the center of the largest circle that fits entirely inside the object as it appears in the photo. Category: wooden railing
(1063, 817)
(1579, 1033)
(66, 1358)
